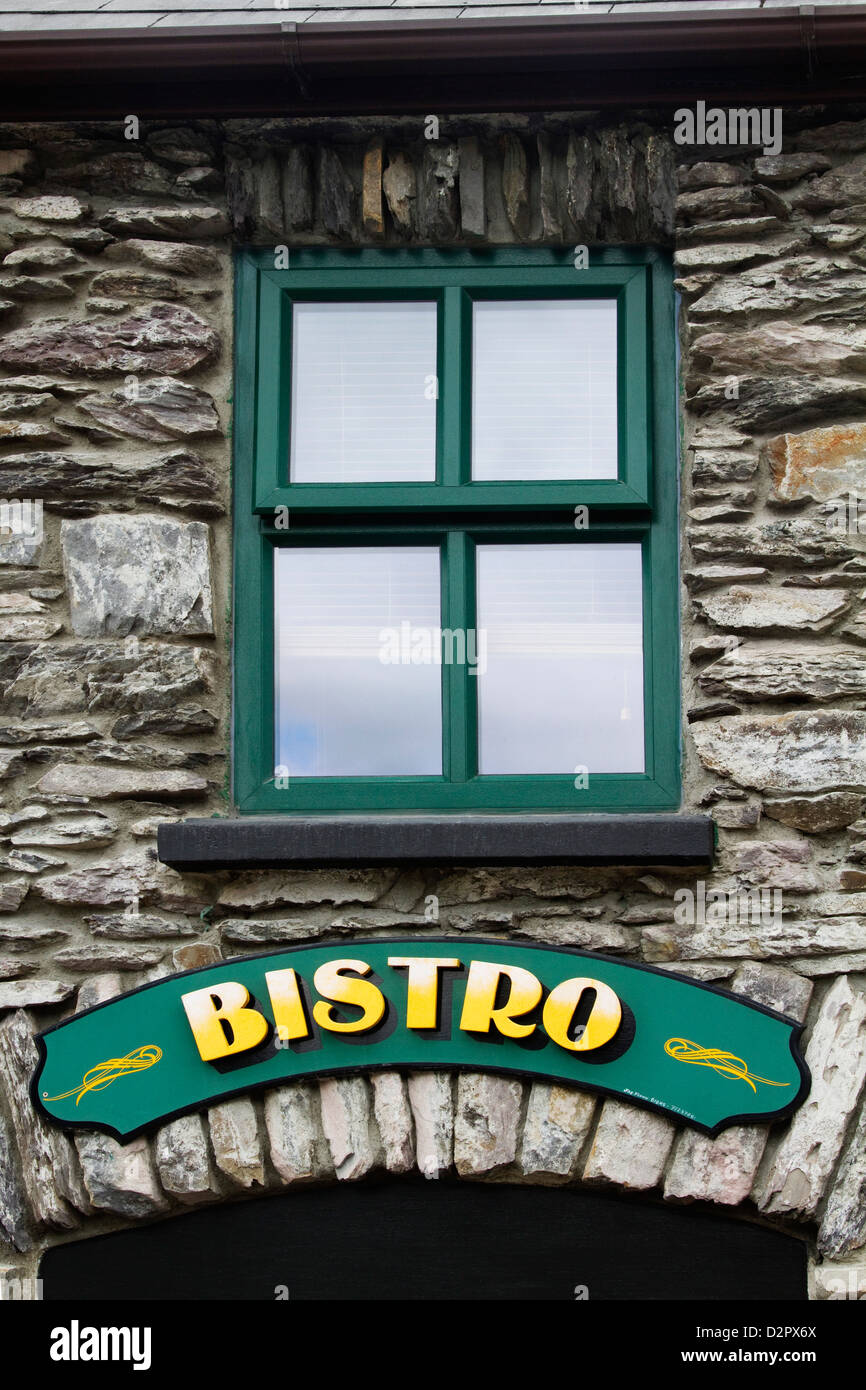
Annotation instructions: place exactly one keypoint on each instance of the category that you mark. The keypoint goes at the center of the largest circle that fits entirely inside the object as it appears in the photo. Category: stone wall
(115, 411)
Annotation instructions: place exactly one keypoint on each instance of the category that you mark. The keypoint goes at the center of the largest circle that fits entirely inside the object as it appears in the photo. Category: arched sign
(688, 1050)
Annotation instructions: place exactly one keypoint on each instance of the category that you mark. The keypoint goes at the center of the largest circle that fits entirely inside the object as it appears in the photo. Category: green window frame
(639, 505)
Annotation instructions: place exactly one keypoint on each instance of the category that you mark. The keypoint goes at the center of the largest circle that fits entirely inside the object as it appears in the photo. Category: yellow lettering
(345, 989)
(287, 1004)
(479, 1001)
(602, 1023)
(422, 991)
(221, 1023)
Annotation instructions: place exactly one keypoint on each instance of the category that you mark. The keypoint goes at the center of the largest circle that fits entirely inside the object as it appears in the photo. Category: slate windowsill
(274, 842)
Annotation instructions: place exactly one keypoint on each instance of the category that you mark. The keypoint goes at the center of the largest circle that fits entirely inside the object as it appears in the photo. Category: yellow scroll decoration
(723, 1062)
(105, 1073)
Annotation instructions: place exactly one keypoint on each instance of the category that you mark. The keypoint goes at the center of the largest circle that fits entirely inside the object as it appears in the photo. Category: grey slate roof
(58, 15)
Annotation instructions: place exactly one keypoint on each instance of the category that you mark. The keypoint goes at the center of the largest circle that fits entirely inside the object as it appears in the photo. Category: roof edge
(386, 66)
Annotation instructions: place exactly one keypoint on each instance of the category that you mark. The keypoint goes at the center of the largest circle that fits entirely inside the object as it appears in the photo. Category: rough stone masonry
(115, 411)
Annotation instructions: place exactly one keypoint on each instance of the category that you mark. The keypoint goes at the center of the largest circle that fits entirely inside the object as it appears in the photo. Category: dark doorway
(408, 1239)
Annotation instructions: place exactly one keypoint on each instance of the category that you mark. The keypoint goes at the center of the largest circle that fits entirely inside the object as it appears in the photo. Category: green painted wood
(452, 382)
(481, 497)
(459, 760)
(454, 279)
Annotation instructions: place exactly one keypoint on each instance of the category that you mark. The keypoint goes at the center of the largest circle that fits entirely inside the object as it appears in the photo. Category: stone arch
(476, 1126)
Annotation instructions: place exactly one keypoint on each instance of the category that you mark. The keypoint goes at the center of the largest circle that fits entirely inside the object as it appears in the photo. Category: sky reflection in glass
(363, 393)
(544, 389)
(564, 682)
(341, 710)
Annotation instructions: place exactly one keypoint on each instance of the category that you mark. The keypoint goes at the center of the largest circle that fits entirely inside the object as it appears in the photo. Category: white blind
(544, 389)
(563, 687)
(363, 393)
(343, 709)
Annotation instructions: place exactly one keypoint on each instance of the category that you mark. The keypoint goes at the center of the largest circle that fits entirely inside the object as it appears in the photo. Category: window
(455, 560)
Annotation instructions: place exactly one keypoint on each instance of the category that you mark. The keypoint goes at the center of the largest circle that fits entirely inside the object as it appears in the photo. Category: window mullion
(460, 755)
(454, 388)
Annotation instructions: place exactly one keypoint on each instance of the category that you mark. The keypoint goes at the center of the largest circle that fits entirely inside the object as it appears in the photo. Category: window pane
(346, 705)
(563, 687)
(544, 397)
(363, 393)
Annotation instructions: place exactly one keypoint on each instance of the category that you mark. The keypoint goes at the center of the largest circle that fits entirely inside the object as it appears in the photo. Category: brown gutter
(403, 67)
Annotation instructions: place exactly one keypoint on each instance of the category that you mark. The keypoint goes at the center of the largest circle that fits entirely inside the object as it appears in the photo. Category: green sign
(688, 1050)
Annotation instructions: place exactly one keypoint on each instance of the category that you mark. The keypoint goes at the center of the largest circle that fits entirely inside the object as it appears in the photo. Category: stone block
(161, 338)
(438, 212)
(349, 1126)
(335, 194)
(630, 1147)
(515, 184)
(237, 1149)
(158, 411)
(800, 1170)
(297, 190)
(142, 574)
(486, 1123)
(548, 193)
(807, 672)
(120, 1178)
(298, 1149)
(744, 609)
(843, 1225)
(557, 1125)
(473, 214)
(821, 464)
(399, 183)
(372, 214)
(394, 1120)
(182, 1160)
(808, 751)
(115, 783)
(433, 1112)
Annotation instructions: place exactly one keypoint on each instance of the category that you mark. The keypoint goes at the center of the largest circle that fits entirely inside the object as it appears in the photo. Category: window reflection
(344, 706)
(564, 682)
(363, 393)
(544, 389)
